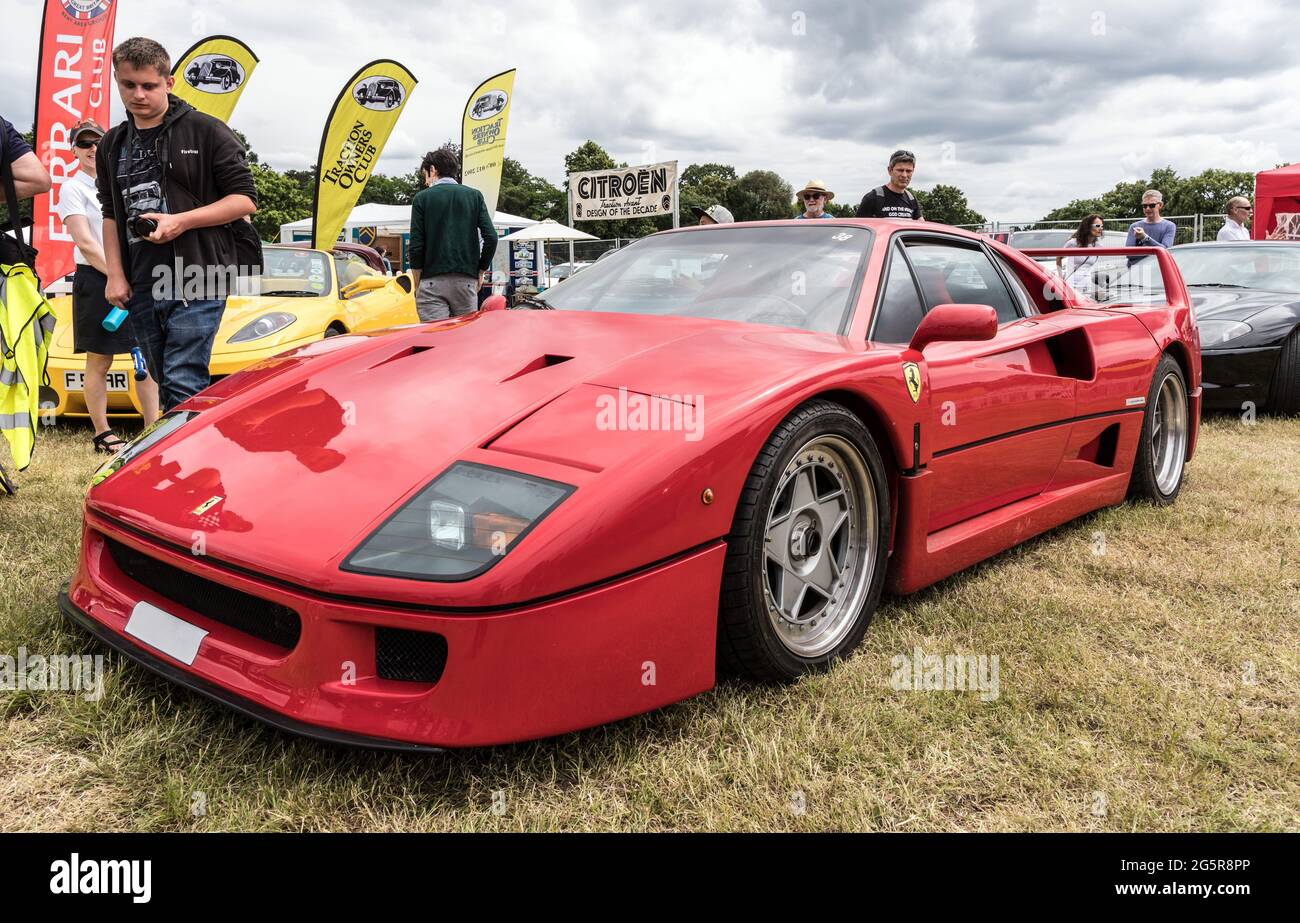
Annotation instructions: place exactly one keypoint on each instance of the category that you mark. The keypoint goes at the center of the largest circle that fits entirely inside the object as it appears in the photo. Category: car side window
(350, 268)
(1018, 289)
(899, 310)
(956, 274)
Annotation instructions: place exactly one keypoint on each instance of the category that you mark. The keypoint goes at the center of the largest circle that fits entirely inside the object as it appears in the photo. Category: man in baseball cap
(815, 197)
(714, 214)
(894, 199)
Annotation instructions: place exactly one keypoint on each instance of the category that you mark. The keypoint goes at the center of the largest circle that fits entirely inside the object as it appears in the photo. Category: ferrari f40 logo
(207, 505)
(912, 375)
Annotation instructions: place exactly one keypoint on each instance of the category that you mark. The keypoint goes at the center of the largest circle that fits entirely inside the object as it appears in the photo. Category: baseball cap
(87, 126)
(717, 213)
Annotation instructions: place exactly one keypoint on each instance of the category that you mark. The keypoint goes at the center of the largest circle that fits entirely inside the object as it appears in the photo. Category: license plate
(116, 381)
(163, 631)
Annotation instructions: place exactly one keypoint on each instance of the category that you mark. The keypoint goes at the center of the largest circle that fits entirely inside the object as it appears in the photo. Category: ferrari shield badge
(207, 505)
(912, 375)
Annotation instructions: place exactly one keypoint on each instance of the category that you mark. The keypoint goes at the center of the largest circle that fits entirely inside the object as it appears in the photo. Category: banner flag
(212, 75)
(355, 133)
(73, 82)
(483, 136)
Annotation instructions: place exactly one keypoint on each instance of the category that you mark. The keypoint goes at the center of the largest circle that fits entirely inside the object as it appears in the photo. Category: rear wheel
(806, 553)
(1166, 428)
(1284, 395)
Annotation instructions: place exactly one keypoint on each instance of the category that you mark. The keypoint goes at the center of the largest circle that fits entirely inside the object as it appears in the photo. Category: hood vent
(401, 354)
(541, 362)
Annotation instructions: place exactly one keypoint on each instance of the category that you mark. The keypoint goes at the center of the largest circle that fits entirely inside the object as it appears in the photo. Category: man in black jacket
(894, 199)
(171, 180)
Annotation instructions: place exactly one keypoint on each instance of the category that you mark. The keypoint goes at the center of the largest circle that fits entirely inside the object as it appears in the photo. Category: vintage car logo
(912, 375)
(214, 73)
(380, 93)
(488, 105)
(207, 505)
(86, 10)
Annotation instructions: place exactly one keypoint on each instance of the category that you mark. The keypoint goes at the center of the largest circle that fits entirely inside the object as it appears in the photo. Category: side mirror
(363, 284)
(494, 303)
(951, 323)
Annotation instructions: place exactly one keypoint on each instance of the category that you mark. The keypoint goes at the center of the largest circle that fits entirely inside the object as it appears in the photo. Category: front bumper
(1232, 377)
(598, 655)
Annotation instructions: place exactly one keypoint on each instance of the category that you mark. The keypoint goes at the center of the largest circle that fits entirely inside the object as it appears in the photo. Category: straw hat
(816, 185)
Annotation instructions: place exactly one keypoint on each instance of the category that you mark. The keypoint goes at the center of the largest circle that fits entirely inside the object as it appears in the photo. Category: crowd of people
(162, 191)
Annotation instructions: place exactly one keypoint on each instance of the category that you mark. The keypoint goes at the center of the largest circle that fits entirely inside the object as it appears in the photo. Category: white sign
(626, 192)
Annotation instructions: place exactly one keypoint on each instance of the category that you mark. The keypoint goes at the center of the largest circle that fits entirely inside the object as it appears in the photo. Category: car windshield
(301, 273)
(1266, 268)
(801, 277)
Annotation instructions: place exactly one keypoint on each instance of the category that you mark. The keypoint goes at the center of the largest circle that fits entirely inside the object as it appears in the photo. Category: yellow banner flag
(212, 75)
(483, 136)
(355, 133)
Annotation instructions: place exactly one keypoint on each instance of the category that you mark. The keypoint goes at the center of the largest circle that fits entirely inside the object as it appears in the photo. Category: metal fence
(1191, 228)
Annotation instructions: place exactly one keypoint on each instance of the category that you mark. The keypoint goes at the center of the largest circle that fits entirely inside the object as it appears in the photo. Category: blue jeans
(176, 338)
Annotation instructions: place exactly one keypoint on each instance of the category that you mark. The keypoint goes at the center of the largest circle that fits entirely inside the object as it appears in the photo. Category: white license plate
(163, 631)
(76, 381)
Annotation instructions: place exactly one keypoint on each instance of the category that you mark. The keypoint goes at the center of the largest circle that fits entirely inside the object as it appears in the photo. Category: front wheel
(1284, 396)
(1166, 428)
(806, 553)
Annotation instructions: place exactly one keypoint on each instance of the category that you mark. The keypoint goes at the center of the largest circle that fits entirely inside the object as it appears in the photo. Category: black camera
(142, 226)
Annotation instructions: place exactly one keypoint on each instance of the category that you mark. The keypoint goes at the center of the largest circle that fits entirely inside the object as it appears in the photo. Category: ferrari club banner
(483, 136)
(625, 192)
(73, 82)
(212, 75)
(355, 133)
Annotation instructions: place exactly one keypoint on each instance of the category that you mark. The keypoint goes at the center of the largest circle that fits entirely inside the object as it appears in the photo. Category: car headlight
(1215, 332)
(264, 326)
(462, 523)
(157, 431)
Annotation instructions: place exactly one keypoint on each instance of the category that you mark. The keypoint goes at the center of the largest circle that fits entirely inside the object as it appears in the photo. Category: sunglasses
(1244, 208)
(1152, 204)
(812, 196)
(88, 143)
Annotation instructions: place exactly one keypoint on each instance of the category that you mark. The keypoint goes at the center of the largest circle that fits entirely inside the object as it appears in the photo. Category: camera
(143, 227)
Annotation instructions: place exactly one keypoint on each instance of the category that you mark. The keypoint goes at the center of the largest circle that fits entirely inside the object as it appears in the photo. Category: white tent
(395, 219)
(545, 230)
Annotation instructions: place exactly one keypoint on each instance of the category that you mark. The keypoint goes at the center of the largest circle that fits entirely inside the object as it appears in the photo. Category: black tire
(1145, 482)
(1284, 393)
(749, 643)
(334, 330)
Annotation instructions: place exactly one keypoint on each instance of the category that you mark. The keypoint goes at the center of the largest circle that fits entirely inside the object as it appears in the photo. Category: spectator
(894, 199)
(168, 265)
(30, 178)
(82, 216)
(1078, 270)
(714, 214)
(1234, 227)
(815, 197)
(1152, 230)
(452, 240)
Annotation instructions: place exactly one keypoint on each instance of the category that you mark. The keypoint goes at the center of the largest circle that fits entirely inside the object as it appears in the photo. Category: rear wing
(1116, 275)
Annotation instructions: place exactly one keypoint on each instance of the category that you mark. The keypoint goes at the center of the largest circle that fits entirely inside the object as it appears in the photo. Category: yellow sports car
(306, 295)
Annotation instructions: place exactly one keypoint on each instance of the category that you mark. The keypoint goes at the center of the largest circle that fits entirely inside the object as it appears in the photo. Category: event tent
(395, 219)
(1275, 191)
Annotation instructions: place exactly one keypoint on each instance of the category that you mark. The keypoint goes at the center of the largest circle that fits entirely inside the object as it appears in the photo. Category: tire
(791, 524)
(1284, 393)
(334, 330)
(1162, 448)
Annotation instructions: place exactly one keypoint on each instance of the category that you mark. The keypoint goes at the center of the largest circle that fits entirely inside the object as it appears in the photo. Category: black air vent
(409, 656)
(541, 362)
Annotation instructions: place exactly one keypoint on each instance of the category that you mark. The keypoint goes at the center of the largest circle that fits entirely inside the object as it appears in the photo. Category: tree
(391, 190)
(531, 196)
(243, 139)
(947, 205)
(703, 185)
(280, 200)
(760, 195)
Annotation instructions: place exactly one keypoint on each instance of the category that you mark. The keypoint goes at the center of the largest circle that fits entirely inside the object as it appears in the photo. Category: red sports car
(714, 449)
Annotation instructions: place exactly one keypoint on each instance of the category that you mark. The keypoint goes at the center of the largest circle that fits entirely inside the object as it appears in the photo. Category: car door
(998, 415)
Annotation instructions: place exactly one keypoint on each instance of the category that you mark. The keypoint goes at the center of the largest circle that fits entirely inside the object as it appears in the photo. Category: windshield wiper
(295, 293)
(1214, 285)
(536, 302)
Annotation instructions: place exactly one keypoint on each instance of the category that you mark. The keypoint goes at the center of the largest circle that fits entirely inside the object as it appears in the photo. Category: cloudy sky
(1023, 105)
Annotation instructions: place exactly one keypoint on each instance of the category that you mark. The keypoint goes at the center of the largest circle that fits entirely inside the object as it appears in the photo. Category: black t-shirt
(140, 177)
(883, 202)
(12, 145)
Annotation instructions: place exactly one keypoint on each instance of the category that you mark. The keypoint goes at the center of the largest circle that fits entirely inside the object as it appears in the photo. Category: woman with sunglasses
(81, 213)
(1078, 269)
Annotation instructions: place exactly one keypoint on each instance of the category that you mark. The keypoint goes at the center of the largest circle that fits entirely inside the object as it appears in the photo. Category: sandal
(109, 442)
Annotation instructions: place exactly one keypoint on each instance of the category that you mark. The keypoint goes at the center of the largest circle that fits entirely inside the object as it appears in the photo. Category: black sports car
(1246, 297)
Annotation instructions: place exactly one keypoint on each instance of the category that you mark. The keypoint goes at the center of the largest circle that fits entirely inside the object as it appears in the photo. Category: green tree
(391, 190)
(531, 196)
(760, 195)
(947, 205)
(280, 200)
(703, 185)
(243, 139)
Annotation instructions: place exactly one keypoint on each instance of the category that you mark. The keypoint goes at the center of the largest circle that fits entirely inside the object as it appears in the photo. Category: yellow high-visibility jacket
(26, 331)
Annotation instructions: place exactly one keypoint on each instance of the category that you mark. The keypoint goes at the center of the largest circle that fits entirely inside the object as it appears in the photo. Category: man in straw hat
(815, 197)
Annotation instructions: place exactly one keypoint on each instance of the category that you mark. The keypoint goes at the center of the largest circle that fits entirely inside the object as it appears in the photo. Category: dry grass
(1125, 700)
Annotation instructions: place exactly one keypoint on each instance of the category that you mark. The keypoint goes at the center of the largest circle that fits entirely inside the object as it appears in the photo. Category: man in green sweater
(447, 221)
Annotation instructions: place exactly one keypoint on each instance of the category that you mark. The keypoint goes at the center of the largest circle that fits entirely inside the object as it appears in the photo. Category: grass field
(1149, 679)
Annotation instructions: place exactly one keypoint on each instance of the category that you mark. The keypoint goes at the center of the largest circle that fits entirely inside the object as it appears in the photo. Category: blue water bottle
(114, 319)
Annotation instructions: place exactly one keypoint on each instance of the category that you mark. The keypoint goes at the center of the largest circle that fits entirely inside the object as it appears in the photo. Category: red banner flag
(74, 82)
